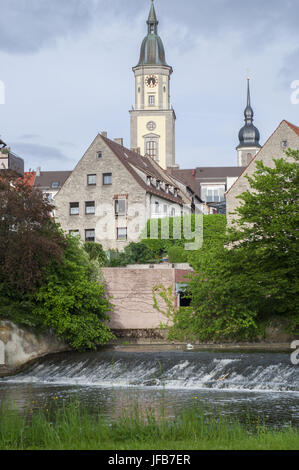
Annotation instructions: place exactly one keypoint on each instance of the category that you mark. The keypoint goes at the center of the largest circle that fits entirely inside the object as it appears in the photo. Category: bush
(95, 252)
(71, 301)
(177, 254)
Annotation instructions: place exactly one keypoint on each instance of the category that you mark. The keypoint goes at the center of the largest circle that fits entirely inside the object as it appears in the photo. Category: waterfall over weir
(271, 372)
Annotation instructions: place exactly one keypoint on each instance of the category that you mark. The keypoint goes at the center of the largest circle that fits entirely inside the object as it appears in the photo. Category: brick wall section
(271, 150)
(132, 292)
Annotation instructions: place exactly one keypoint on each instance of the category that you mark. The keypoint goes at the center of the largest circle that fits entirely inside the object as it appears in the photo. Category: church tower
(153, 119)
(249, 136)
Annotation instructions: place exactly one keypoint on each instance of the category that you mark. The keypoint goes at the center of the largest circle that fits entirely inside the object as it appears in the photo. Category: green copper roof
(152, 50)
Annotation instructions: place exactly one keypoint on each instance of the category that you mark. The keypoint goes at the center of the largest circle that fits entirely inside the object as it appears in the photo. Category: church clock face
(151, 81)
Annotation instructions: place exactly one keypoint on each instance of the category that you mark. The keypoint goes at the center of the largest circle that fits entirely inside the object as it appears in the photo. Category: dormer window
(158, 184)
(167, 188)
(55, 185)
(175, 192)
(148, 180)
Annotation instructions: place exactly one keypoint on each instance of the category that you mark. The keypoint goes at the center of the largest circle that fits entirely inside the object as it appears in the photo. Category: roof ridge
(254, 158)
(292, 126)
(130, 167)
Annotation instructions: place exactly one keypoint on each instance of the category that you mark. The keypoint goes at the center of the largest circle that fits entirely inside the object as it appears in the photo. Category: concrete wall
(271, 150)
(23, 344)
(131, 290)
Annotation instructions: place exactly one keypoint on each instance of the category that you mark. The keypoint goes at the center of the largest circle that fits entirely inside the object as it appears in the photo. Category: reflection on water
(263, 385)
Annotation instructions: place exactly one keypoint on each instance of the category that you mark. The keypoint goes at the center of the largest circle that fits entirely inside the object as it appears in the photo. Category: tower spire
(248, 92)
(152, 20)
(248, 113)
(249, 135)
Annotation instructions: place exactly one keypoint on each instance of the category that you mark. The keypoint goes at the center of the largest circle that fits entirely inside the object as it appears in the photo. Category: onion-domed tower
(153, 119)
(249, 136)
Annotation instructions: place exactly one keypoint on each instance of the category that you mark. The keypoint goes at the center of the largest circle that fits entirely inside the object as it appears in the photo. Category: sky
(66, 66)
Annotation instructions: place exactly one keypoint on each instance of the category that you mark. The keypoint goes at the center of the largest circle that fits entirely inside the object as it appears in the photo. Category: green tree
(96, 252)
(28, 236)
(267, 228)
(72, 302)
(249, 276)
(47, 279)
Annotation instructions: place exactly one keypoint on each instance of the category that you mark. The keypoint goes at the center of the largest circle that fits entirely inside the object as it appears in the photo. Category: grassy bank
(74, 427)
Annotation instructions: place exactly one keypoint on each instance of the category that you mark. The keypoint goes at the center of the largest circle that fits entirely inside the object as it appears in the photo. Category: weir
(269, 372)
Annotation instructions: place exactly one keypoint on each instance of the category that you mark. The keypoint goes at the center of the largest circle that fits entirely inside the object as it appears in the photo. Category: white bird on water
(190, 346)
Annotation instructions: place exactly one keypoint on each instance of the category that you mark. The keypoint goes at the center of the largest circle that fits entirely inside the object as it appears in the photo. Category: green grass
(73, 427)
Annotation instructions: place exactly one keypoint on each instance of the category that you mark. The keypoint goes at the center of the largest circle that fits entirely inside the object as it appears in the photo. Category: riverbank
(75, 427)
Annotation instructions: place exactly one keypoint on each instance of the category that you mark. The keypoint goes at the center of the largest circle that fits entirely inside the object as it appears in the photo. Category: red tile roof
(132, 159)
(292, 126)
(29, 176)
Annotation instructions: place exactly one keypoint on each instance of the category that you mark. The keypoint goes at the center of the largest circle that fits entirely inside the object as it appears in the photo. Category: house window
(165, 209)
(157, 208)
(184, 298)
(74, 233)
(107, 178)
(99, 154)
(55, 185)
(122, 233)
(90, 207)
(151, 100)
(120, 206)
(172, 212)
(284, 144)
(74, 208)
(90, 235)
(151, 149)
(91, 180)
(213, 193)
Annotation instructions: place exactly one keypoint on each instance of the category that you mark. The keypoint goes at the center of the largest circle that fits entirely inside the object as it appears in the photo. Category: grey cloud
(29, 25)
(42, 153)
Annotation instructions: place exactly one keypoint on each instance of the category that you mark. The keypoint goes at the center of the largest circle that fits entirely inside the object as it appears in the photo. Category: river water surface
(265, 385)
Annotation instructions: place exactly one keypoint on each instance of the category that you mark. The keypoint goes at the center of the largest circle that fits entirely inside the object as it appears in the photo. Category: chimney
(104, 134)
(136, 149)
(38, 171)
(119, 140)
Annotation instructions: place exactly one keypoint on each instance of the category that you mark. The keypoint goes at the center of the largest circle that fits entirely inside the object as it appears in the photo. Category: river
(264, 385)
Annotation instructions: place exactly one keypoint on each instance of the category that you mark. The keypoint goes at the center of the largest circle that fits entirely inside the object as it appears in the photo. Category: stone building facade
(113, 191)
(284, 137)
